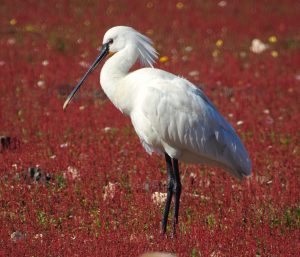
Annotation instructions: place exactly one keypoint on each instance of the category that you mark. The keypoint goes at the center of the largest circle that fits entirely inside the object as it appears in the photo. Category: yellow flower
(164, 59)
(29, 28)
(274, 53)
(272, 39)
(179, 5)
(13, 22)
(219, 43)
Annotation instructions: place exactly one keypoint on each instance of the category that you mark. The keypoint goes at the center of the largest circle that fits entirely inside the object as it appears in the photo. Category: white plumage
(169, 114)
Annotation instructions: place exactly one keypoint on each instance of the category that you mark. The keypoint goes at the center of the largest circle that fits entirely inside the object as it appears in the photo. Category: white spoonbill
(170, 115)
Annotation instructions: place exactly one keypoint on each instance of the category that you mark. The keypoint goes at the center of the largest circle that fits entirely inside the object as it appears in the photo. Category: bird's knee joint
(170, 185)
(177, 187)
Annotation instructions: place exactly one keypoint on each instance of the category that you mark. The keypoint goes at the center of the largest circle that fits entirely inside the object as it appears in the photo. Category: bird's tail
(236, 156)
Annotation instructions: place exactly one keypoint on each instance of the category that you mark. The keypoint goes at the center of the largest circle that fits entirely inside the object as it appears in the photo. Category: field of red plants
(79, 183)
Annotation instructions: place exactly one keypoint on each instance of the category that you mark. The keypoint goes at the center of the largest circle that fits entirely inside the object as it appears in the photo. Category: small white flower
(84, 64)
(239, 123)
(222, 3)
(193, 175)
(64, 145)
(107, 129)
(37, 236)
(257, 46)
(41, 83)
(11, 41)
(72, 171)
(159, 198)
(109, 191)
(184, 58)
(45, 62)
(194, 73)
(188, 48)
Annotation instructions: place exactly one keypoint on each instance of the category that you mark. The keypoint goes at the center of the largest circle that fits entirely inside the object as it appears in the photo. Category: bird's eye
(110, 41)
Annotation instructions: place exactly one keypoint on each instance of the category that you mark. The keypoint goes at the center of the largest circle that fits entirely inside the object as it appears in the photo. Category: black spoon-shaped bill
(103, 52)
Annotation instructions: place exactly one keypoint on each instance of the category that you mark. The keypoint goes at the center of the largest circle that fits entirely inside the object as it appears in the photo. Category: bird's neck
(112, 76)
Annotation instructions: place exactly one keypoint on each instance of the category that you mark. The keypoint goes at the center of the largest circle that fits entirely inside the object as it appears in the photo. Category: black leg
(177, 192)
(169, 192)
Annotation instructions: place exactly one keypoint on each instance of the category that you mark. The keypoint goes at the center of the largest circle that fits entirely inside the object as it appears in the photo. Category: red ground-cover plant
(45, 49)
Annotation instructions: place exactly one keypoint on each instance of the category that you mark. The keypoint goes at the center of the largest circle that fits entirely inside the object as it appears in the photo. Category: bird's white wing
(184, 118)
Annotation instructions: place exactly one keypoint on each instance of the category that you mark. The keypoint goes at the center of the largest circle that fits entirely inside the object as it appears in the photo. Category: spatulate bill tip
(66, 103)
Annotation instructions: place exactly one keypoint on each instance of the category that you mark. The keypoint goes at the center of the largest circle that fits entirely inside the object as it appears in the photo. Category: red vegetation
(44, 51)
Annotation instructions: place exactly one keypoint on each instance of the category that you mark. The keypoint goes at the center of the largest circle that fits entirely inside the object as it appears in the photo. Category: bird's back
(174, 116)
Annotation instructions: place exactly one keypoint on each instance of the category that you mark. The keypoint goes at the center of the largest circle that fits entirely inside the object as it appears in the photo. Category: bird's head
(115, 40)
(121, 37)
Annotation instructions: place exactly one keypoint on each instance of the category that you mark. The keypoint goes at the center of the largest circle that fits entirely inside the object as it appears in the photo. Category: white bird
(170, 115)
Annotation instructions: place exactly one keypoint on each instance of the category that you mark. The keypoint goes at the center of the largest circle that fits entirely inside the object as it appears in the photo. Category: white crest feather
(148, 54)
